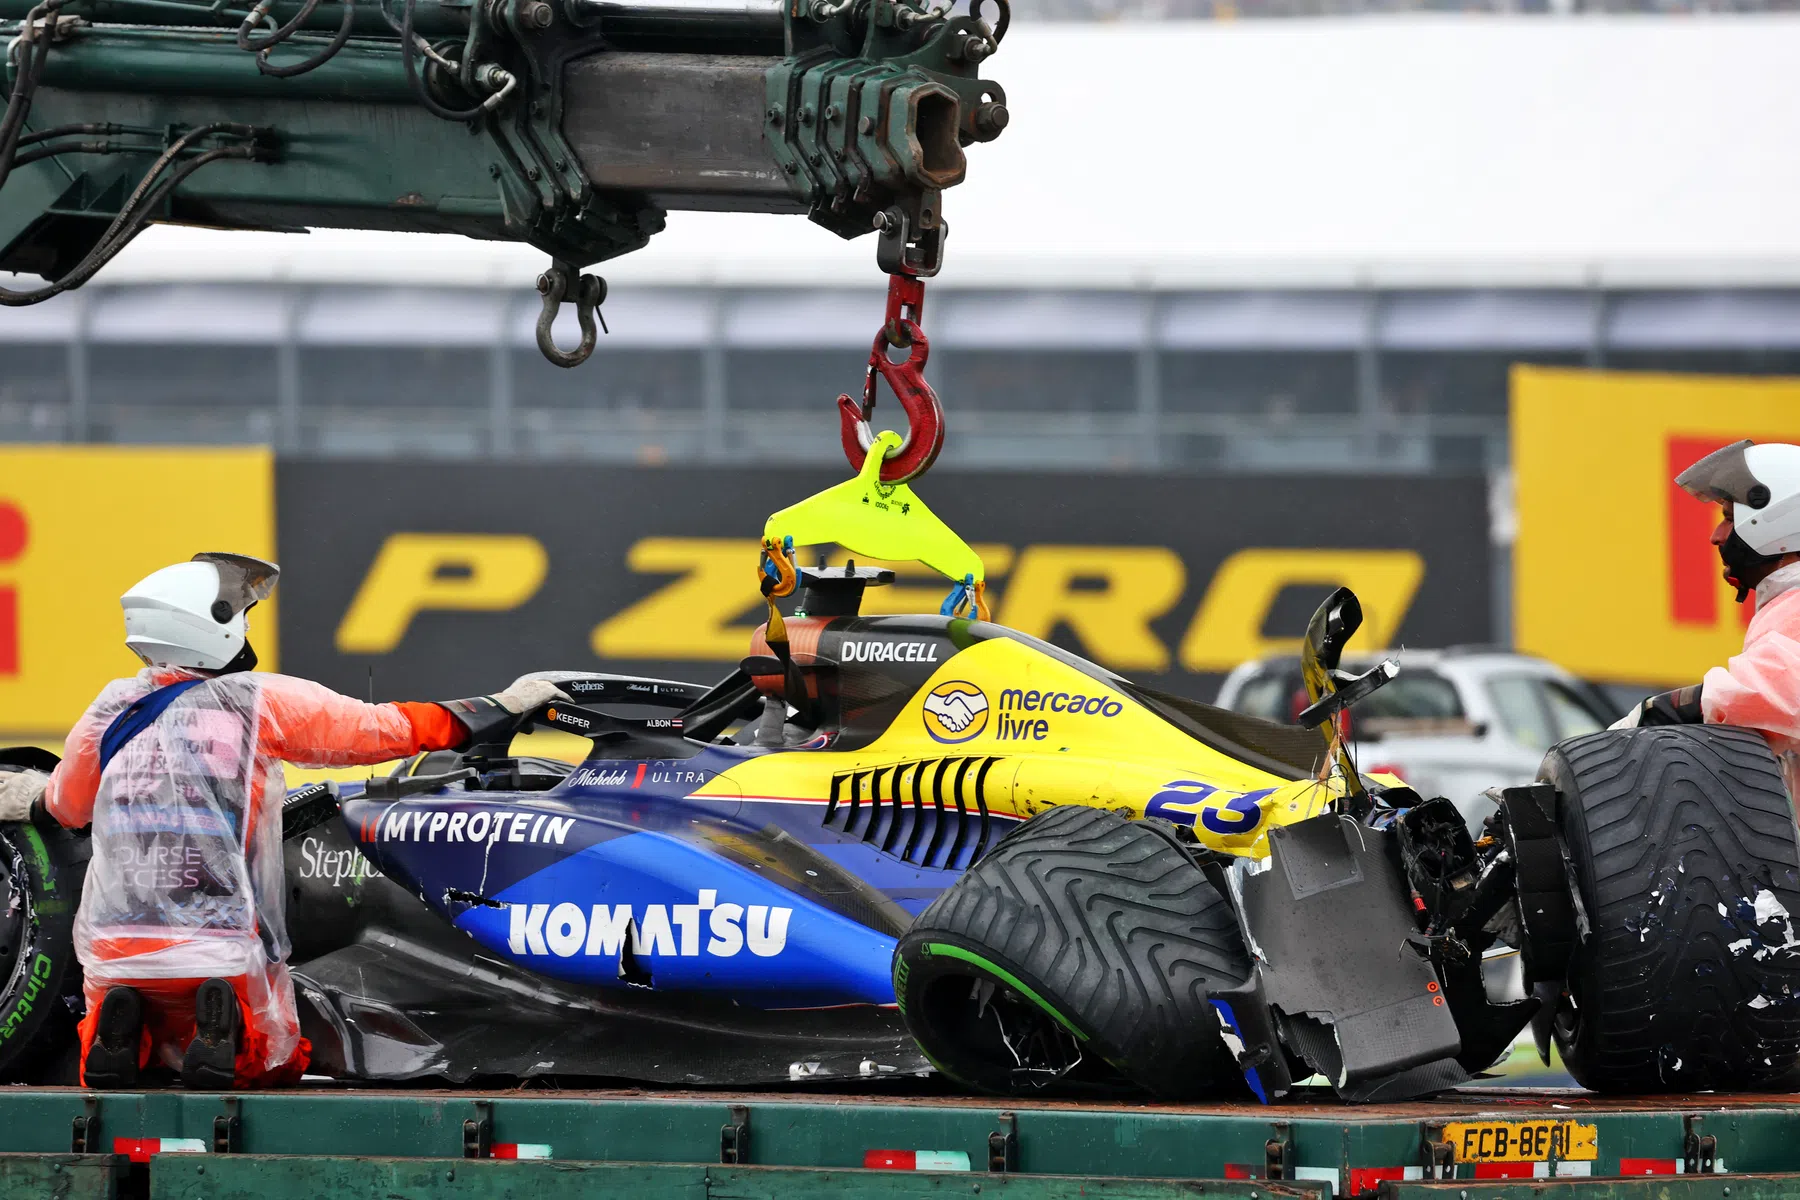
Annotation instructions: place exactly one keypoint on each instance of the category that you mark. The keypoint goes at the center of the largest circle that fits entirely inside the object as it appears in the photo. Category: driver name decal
(687, 930)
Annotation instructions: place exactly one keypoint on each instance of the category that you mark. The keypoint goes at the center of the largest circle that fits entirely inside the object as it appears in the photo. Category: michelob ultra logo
(955, 711)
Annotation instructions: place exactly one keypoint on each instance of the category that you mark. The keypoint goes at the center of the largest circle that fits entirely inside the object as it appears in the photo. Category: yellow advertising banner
(80, 525)
(1613, 573)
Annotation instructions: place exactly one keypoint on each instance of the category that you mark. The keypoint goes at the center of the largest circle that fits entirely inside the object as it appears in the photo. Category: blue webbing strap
(139, 716)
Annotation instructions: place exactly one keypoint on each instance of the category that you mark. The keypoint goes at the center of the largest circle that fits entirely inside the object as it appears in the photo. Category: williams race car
(715, 894)
(1114, 888)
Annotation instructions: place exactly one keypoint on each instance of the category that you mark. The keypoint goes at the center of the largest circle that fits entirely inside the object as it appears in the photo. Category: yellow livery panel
(1024, 731)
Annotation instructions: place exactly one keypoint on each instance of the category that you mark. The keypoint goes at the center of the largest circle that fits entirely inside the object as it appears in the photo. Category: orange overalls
(185, 882)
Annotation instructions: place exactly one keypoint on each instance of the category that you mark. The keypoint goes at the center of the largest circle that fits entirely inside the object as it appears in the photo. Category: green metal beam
(832, 1132)
(256, 1177)
(61, 1176)
(432, 18)
(192, 63)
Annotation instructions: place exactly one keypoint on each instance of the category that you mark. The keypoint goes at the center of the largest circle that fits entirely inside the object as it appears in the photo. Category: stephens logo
(955, 711)
(688, 930)
(319, 861)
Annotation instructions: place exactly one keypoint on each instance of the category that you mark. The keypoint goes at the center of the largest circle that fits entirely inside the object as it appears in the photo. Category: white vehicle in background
(1454, 723)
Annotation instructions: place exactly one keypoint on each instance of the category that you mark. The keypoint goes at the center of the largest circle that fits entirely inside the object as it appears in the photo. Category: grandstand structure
(1312, 245)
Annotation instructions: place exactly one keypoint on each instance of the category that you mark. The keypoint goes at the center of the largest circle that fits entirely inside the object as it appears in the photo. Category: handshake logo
(955, 711)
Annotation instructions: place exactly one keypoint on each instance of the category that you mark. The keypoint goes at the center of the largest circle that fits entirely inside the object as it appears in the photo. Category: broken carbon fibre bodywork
(1370, 1015)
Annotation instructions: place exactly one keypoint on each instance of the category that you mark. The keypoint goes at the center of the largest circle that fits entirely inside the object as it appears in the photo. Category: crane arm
(571, 125)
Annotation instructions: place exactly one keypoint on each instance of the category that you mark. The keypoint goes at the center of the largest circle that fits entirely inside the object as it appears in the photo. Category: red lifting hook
(924, 415)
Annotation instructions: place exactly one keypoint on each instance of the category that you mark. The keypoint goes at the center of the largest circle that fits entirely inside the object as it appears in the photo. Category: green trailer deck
(1476, 1144)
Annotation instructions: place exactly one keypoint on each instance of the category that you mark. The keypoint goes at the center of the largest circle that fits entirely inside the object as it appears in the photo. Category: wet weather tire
(1100, 929)
(1683, 845)
(41, 873)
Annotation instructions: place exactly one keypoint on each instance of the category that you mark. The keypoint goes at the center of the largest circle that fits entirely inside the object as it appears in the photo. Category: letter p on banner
(1614, 576)
(419, 572)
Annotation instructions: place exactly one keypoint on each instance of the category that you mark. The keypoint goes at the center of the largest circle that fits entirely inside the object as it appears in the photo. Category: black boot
(112, 1061)
(211, 1060)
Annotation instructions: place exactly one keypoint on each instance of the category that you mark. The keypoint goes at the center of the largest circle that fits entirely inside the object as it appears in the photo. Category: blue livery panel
(651, 910)
(619, 877)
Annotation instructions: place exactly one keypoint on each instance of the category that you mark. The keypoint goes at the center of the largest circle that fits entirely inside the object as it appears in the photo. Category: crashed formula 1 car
(715, 894)
(1116, 887)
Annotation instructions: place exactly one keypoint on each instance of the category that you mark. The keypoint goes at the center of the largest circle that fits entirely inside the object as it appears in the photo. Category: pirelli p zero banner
(423, 581)
(80, 525)
(1614, 576)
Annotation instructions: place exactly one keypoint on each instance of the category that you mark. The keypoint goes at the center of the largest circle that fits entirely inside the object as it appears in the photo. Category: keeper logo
(564, 717)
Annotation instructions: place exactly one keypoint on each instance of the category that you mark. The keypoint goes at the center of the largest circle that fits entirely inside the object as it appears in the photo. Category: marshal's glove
(20, 792)
(486, 717)
(527, 694)
(1679, 707)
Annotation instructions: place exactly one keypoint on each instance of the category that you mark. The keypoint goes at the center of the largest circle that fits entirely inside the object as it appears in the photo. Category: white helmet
(1762, 484)
(193, 613)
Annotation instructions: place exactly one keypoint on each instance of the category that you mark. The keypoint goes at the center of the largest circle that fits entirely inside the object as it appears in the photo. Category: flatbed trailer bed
(1473, 1144)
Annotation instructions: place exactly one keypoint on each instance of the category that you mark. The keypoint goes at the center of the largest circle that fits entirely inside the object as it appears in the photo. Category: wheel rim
(980, 1018)
(1566, 1028)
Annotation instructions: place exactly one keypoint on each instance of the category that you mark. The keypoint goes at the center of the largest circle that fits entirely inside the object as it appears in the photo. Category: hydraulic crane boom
(573, 125)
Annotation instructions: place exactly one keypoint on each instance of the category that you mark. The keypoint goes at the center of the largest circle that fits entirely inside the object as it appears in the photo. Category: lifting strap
(884, 521)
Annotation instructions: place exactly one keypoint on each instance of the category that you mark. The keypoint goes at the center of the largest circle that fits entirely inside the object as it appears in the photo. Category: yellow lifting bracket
(877, 520)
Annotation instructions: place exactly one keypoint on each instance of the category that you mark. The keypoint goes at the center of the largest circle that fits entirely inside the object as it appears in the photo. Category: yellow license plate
(1522, 1141)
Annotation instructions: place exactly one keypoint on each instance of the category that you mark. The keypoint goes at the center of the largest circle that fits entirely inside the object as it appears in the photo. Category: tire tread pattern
(1114, 925)
(1675, 832)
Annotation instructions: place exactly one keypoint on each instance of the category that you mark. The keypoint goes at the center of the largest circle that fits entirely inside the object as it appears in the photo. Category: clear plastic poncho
(186, 876)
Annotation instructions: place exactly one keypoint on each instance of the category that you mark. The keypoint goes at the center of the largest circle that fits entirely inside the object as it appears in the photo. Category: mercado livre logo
(955, 711)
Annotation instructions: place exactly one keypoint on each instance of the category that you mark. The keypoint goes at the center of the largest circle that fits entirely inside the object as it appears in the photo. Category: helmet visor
(1724, 477)
(242, 580)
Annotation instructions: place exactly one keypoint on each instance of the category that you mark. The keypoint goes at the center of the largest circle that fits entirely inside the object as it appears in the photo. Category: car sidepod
(596, 892)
